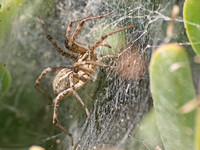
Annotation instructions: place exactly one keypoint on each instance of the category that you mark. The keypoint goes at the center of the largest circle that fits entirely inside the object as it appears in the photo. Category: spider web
(117, 100)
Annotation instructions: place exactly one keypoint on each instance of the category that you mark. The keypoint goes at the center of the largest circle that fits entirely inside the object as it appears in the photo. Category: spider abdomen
(61, 80)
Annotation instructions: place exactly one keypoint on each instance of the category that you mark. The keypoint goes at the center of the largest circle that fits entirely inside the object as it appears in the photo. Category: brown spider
(70, 79)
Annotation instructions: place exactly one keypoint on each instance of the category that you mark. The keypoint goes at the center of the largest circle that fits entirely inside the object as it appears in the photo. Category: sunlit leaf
(192, 23)
(172, 87)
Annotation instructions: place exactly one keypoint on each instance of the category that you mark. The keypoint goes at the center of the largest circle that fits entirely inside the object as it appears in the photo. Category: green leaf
(171, 87)
(116, 41)
(197, 130)
(5, 79)
(192, 23)
(8, 10)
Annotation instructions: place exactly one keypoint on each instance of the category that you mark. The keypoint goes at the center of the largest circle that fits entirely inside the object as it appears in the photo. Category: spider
(69, 79)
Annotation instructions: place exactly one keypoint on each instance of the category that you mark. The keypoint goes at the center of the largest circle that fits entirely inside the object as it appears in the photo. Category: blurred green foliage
(21, 110)
(8, 11)
(171, 87)
(192, 23)
(5, 79)
(197, 130)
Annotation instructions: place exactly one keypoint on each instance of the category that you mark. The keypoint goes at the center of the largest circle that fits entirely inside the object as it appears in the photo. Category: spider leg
(55, 114)
(72, 41)
(75, 48)
(104, 57)
(49, 37)
(93, 47)
(105, 45)
(76, 75)
(97, 63)
(77, 96)
(85, 69)
(42, 75)
(37, 82)
(93, 63)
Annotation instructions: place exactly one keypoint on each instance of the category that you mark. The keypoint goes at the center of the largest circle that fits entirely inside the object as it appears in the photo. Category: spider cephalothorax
(69, 79)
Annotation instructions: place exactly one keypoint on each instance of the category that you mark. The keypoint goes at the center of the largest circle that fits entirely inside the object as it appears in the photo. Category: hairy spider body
(80, 77)
(69, 79)
(61, 81)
